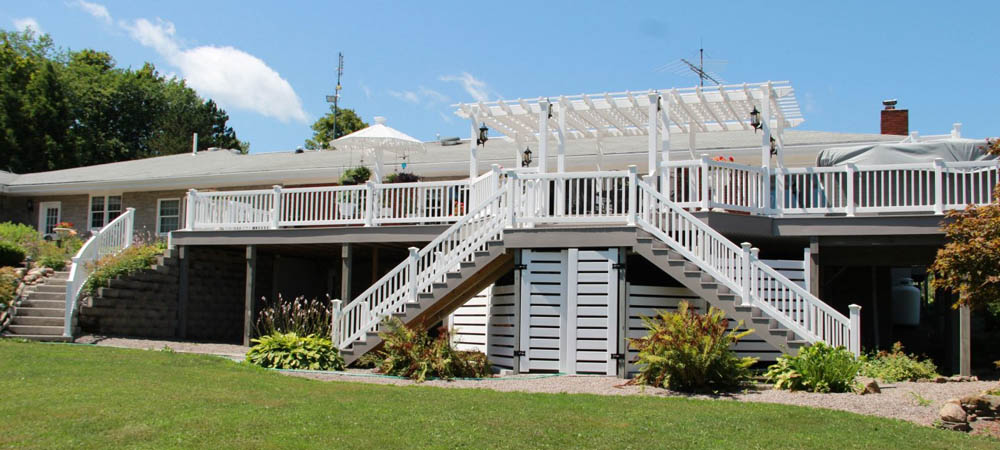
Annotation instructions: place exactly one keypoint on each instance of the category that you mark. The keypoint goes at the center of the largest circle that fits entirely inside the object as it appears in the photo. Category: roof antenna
(682, 66)
(335, 98)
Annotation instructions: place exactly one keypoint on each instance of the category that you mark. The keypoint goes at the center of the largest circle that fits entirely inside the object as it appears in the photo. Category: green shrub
(896, 365)
(687, 351)
(8, 287)
(401, 177)
(291, 351)
(11, 254)
(407, 352)
(817, 368)
(53, 262)
(357, 175)
(18, 233)
(71, 245)
(130, 260)
(299, 316)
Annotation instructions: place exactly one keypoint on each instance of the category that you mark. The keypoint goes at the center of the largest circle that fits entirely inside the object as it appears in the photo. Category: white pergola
(655, 113)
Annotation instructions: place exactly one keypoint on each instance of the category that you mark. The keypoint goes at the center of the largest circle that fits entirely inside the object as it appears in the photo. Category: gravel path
(227, 350)
(897, 400)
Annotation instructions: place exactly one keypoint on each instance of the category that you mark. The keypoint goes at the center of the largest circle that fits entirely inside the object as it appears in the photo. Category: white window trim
(180, 212)
(90, 205)
(42, 206)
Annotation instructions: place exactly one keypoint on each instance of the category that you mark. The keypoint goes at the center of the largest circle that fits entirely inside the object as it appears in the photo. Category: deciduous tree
(347, 123)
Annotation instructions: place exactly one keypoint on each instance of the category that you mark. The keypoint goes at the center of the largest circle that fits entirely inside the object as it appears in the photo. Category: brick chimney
(895, 121)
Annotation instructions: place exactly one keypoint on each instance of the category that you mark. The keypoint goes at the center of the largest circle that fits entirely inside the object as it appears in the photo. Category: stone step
(33, 303)
(36, 330)
(20, 319)
(37, 337)
(51, 282)
(41, 312)
(48, 288)
(48, 295)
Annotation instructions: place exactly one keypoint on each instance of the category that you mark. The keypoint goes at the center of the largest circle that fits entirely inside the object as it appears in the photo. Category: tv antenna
(335, 98)
(706, 69)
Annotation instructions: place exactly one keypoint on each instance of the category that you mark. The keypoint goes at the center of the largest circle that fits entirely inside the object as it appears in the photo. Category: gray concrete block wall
(145, 304)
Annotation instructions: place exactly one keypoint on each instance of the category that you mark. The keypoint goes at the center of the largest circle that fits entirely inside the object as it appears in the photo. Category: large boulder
(951, 412)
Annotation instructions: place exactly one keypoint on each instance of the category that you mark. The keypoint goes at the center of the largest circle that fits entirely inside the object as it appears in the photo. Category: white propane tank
(906, 303)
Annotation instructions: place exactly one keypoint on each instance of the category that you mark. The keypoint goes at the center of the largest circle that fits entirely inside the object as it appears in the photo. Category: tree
(62, 109)
(969, 264)
(347, 123)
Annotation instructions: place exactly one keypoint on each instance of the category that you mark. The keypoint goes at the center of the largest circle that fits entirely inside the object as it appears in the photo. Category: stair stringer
(715, 293)
(431, 307)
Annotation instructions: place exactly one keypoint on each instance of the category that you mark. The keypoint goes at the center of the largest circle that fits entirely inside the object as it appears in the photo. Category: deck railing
(112, 238)
(596, 197)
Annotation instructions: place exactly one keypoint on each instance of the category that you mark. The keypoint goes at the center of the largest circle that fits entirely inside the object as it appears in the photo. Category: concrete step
(51, 282)
(45, 330)
(37, 320)
(37, 337)
(41, 312)
(47, 295)
(34, 303)
(49, 288)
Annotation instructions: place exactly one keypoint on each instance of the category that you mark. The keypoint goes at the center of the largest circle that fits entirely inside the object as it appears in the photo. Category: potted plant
(351, 177)
(63, 230)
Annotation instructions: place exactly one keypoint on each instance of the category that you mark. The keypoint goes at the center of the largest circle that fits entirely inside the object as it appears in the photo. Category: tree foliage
(969, 263)
(347, 123)
(62, 109)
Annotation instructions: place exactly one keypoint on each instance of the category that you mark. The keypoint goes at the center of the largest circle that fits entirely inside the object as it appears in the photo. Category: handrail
(424, 267)
(740, 270)
(114, 237)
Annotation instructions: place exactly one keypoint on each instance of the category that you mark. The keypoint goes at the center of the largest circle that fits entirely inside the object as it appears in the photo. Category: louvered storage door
(543, 310)
(592, 311)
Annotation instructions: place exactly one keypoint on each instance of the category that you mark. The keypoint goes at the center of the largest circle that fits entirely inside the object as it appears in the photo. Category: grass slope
(62, 396)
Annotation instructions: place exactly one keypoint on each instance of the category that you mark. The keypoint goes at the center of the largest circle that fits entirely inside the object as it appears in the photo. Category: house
(621, 209)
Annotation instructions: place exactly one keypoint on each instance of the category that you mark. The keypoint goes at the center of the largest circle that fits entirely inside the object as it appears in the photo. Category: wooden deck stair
(721, 297)
(41, 315)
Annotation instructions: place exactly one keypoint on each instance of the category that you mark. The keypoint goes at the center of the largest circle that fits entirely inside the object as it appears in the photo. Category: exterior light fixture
(550, 107)
(774, 147)
(482, 135)
(755, 120)
(30, 204)
(526, 157)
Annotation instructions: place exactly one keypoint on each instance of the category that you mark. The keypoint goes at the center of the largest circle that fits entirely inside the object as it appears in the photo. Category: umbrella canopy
(378, 139)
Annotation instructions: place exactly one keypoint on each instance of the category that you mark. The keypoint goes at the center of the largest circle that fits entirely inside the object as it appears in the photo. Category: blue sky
(270, 64)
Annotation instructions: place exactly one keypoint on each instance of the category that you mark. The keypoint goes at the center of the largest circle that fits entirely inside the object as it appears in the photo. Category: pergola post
(654, 101)
(765, 146)
(473, 150)
(561, 132)
(250, 298)
(665, 144)
(543, 134)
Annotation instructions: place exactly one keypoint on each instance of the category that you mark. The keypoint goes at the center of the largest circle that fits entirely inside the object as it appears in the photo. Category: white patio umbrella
(378, 139)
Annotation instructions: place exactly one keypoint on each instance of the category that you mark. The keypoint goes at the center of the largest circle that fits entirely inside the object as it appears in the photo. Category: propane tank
(906, 303)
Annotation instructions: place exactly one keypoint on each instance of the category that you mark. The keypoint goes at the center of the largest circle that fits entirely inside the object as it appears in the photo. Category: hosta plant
(291, 351)
(817, 368)
(687, 351)
(412, 353)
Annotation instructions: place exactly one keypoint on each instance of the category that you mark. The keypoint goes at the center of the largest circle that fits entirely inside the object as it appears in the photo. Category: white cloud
(473, 86)
(444, 117)
(406, 96)
(24, 23)
(94, 9)
(432, 95)
(368, 92)
(230, 76)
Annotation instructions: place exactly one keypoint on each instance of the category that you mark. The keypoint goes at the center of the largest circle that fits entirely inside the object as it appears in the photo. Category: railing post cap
(277, 187)
(130, 209)
(854, 307)
(413, 249)
(755, 250)
(746, 246)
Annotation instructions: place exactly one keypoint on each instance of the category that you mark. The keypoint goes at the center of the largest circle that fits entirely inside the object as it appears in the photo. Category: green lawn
(63, 396)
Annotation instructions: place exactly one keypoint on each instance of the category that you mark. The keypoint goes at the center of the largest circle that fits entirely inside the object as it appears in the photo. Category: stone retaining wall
(145, 304)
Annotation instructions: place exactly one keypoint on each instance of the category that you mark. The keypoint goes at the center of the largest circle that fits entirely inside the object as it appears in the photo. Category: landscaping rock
(871, 388)
(940, 380)
(951, 412)
(955, 426)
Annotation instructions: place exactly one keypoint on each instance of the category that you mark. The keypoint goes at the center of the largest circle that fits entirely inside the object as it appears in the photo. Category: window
(104, 209)
(168, 215)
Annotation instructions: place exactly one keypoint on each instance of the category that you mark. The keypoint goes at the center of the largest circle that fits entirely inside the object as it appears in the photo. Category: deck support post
(337, 310)
(251, 294)
(812, 266)
(183, 287)
(938, 186)
(276, 207)
(414, 258)
(519, 317)
(703, 171)
(964, 341)
(192, 200)
(346, 263)
(852, 170)
(371, 204)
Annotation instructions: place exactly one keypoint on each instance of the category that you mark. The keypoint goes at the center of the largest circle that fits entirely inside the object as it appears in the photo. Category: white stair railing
(424, 267)
(739, 269)
(112, 238)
